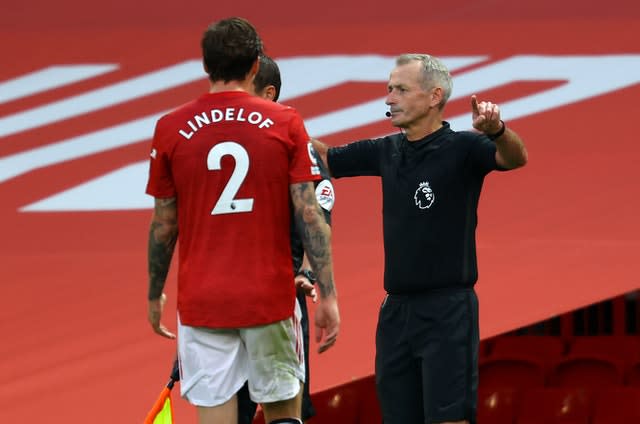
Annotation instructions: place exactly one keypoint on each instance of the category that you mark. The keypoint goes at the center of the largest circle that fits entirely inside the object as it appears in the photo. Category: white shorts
(215, 363)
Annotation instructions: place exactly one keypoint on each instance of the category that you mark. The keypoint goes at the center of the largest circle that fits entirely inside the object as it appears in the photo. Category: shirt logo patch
(325, 195)
(154, 153)
(424, 196)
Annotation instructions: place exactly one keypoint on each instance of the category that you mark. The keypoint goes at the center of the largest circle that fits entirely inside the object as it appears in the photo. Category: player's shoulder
(179, 112)
(274, 107)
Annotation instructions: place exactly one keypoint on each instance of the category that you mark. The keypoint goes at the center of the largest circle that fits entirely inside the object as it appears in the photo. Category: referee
(427, 336)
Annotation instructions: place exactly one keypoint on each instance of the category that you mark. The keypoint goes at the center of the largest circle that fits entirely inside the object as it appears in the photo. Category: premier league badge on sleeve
(424, 196)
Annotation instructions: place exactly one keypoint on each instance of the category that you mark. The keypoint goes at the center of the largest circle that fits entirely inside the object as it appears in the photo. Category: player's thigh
(246, 407)
(225, 413)
(213, 365)
(276, 359)
(289, 408)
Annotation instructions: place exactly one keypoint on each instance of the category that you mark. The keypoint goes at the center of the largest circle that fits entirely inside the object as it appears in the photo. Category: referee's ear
(437, 97)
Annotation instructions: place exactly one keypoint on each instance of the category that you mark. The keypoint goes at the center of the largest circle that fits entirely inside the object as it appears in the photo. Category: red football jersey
(229, 159)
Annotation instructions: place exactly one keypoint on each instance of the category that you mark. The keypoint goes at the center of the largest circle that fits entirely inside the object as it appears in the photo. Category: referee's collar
(433, 140)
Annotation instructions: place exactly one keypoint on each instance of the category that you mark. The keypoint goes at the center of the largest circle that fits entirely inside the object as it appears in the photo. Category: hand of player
(303, 283)
(154, 314)
(485, 116)
(327, 319)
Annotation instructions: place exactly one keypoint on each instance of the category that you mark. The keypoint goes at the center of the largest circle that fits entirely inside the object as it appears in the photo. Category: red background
(556, 235)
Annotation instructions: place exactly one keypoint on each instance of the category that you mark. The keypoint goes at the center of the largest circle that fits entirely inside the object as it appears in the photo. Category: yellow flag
(166, 415)
(161, 413)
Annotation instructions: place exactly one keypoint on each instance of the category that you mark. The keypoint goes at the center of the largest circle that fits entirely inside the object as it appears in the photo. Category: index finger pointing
(474, 104)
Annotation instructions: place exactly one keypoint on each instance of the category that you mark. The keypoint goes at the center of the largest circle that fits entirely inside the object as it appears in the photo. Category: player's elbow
(164, 231)
(312, 216)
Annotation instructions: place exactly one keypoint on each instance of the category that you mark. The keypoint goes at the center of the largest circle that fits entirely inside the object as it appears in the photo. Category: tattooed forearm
(315, 235)
(163, 235)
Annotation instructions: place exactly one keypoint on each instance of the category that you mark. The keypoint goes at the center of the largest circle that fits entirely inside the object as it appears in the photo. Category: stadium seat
(587, 372)
(632, 377)
(484, 348)
(621, 349)
(503, 373)
(617, 405)
(545, 346)
(545, 349)
(554, 406)
(368, 405)
(497, 406)
(336, 405)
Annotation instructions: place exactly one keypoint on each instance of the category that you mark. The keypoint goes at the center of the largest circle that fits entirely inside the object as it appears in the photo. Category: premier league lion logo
(424, 196)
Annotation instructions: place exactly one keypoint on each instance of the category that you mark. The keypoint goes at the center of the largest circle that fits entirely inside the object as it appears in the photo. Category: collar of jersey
(430, 141)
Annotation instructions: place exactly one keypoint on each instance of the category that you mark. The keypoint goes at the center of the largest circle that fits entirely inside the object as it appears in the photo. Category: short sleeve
(482, 153)
(302, 167)
(160, 183)
(355, 159)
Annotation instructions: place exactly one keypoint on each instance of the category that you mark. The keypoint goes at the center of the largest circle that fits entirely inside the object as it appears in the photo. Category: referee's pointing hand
(485, 116)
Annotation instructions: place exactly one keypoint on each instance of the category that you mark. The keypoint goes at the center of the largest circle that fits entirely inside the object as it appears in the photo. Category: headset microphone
(388, 114)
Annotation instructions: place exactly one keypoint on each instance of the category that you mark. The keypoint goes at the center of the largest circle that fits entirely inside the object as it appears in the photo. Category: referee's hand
(485, 116)
(327, 319)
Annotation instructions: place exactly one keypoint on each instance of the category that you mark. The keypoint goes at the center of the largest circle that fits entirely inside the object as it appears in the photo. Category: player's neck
(220, 86)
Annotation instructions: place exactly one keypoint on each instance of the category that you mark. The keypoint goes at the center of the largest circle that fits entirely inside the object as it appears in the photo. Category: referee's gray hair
(434, 73)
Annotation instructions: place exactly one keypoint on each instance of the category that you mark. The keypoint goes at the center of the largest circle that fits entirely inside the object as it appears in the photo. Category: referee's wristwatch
(308, 274)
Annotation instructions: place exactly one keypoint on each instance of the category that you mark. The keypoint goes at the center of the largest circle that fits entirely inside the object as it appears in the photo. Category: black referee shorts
(427, 357)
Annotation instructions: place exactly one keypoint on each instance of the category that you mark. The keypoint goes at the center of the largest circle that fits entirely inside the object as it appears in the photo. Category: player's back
(231, 158)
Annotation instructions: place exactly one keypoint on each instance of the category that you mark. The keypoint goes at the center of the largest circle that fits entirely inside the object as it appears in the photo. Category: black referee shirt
(430, 192)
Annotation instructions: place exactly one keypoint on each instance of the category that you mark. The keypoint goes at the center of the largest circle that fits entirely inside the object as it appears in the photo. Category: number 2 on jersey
(227, 202)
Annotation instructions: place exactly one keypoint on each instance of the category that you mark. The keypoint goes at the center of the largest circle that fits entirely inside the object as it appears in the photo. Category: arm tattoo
(315, 235)
(163, 235)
